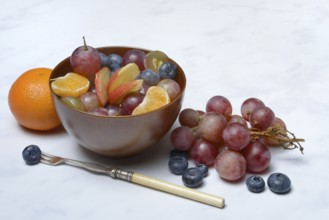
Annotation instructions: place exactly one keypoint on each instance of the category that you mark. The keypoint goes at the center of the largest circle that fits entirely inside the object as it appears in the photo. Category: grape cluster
(233, 144)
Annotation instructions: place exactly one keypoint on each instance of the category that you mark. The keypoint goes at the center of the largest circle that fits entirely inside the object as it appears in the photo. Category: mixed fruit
(233, 144)
(112, 85)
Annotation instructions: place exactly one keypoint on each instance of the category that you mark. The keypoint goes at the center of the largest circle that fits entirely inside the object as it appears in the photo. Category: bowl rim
(65, 60)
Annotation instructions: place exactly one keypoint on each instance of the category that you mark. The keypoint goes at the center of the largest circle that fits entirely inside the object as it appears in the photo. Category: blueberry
(177, 164)
(176, 152)
(203, 168)
(104, 59)
(32, 154)
(255, 184)
(168, 70)
(279, 183)
(114, 61)
(192, 177)
(150, 78)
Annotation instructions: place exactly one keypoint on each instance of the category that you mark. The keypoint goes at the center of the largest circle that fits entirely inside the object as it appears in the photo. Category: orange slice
(72, 84)
(155, 98)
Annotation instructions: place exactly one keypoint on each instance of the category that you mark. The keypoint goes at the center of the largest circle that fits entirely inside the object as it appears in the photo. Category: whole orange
(30, 100)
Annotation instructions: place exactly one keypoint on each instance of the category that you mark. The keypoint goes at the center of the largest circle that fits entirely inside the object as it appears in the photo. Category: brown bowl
(117, 136)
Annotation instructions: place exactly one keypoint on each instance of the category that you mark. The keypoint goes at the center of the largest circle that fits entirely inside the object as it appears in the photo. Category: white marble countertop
(277, 51)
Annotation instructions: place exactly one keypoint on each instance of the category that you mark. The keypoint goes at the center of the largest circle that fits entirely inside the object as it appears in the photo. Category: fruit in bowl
(107, 128)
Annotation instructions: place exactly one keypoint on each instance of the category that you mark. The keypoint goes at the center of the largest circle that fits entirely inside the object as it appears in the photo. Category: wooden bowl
(117, 136)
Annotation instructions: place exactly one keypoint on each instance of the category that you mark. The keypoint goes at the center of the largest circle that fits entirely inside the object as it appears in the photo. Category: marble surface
(277, 51)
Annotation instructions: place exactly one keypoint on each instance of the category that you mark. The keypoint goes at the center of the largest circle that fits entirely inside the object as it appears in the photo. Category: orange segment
(72, 84)
(155, 98)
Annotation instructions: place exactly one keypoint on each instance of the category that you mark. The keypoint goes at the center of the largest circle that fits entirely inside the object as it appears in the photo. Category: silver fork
(137, 178)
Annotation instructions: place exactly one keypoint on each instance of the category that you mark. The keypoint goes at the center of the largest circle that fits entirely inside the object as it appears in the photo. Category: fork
(137, 178)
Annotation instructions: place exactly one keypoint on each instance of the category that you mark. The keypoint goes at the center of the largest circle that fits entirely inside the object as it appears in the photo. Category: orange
(30, 100)
(155, 98)
(72, 84)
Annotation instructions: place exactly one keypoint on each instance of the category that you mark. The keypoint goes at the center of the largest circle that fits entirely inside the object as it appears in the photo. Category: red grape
(203, 152)
(258, 157)
(236, 136)
(269, 141)
(85, 60)
(171, 86)
(90, 100)
(238, 119)
(262, 118)
(182, 138)
(230, 165)
(99, 111)
(219, 104)
(211, 127)
(189, 117)
(249, 105)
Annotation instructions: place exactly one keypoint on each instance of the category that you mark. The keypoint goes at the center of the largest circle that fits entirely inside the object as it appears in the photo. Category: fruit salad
(113, 85)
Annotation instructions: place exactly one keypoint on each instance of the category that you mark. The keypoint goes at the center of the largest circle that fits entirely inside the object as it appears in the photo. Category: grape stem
(84, 43)
(285, 137)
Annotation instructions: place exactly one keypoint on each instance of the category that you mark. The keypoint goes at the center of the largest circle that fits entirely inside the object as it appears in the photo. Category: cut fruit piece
(125, 74)
(72, 84)
(116, 96)
(156, 97)
(101, 82)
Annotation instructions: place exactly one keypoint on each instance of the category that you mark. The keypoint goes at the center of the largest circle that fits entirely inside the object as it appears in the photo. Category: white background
(277, 51)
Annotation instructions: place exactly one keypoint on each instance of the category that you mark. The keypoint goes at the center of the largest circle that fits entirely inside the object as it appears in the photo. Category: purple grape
(130, 102)
(90, 100)
(134, 56)
(238, 119)
(113, 110)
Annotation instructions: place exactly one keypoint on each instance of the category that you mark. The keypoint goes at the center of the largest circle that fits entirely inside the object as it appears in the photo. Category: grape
(262, 118)
(154, 59)
(258, 157)
(168, 70)
(219, 104)
(113, 110)
(151, 78)
(230, 165)
(182, 138)
(171, 86)
(73, 102)
(134, 56)
(249, 106)
(269, 141)
(130, 102)
(211, 127)
(189, 117)
(238, 119)
(203, 152)
(90, 100)
(99, 111)
(236, 136)
(85, 60)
